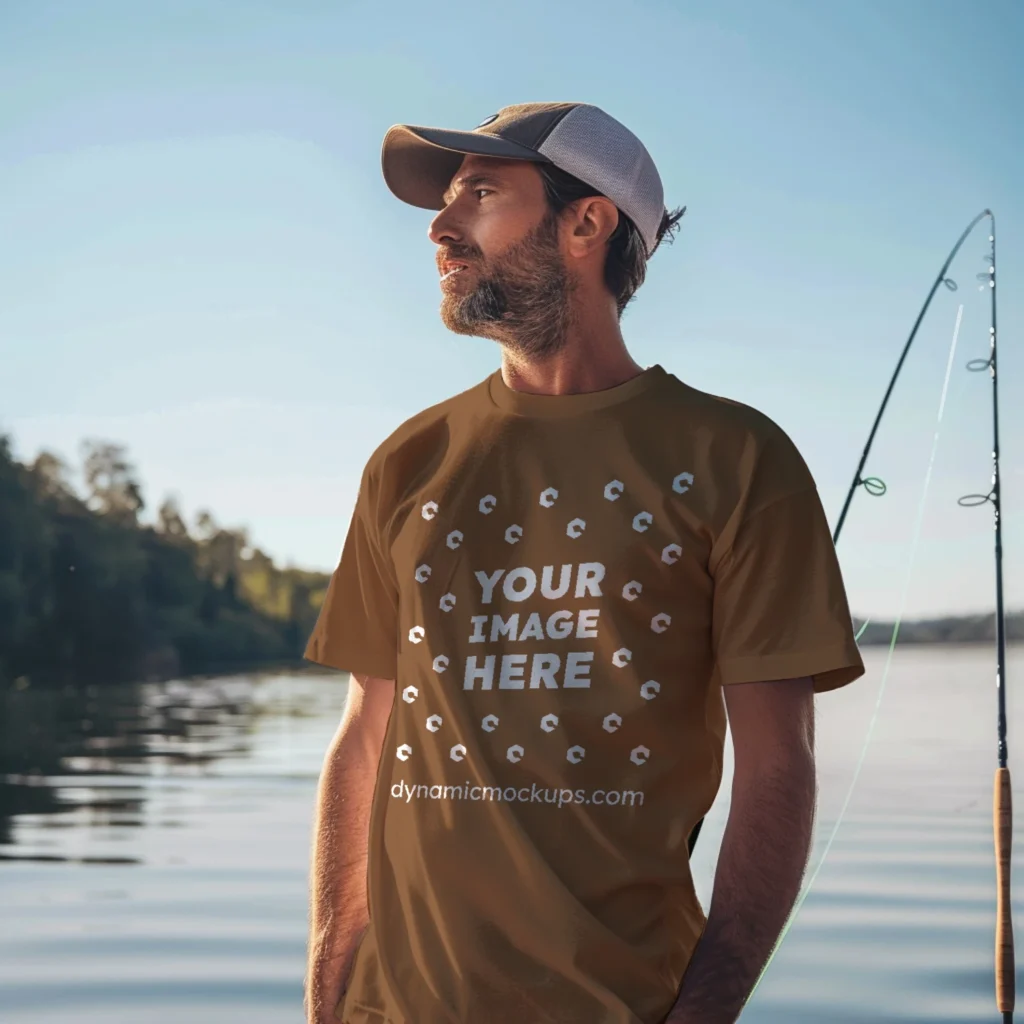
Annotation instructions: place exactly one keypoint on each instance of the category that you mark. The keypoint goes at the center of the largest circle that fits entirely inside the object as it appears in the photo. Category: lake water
(154, 845)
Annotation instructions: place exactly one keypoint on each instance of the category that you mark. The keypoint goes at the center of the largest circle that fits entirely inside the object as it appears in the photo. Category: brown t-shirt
(561, 585)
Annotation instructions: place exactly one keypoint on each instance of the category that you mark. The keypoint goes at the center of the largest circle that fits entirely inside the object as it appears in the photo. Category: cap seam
(551, 127)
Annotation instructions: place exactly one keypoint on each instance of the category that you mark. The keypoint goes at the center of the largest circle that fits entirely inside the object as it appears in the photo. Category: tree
(170, 521)
(110, 481)
(23, 555)
(51, 477)
(222, 554)
(89, 595)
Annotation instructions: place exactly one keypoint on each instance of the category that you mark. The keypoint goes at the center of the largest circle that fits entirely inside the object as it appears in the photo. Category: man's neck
(593, 358)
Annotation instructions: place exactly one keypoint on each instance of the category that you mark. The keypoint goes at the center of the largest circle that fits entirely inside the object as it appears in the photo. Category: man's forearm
(340, 840)
(338, 902)
(760, 867)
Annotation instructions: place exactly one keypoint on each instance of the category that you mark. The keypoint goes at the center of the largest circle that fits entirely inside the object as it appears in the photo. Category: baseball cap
(580, 139)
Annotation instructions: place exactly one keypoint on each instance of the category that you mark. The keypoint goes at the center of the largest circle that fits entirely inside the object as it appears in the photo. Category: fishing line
(878, 487)
(873, 485)
(888, 661)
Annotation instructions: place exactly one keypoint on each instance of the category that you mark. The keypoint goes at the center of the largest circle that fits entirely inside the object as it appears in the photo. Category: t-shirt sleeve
(780, 607)
(357, 628)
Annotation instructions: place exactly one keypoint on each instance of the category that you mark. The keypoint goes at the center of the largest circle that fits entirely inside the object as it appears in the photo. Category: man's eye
(482, 191)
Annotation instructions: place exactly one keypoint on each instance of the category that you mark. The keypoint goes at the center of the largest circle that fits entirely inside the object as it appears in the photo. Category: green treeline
(89, 594)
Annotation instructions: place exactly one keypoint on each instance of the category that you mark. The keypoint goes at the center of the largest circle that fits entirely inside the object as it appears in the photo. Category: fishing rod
(1002, 806)
(872, 484)
(1002, 792)
(1002, 801)
(877, 487)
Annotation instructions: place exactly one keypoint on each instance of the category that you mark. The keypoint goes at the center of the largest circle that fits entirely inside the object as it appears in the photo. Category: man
(554, 587)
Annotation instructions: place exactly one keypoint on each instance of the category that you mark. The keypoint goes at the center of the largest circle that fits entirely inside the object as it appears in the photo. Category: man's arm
(338, 910)
(764, 849)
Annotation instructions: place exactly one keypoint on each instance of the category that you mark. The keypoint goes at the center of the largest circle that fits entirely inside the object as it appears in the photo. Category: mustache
(455, 253)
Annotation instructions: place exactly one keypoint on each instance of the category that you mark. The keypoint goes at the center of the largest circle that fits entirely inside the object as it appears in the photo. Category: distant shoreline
(951, 629)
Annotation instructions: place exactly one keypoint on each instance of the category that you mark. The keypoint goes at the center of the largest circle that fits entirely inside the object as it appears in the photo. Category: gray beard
(524, 300)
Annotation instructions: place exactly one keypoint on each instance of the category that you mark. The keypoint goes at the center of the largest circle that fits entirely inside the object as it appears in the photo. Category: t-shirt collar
(524, 403)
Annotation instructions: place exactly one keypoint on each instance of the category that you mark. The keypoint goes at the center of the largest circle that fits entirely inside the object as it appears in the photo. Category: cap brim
(419, 163)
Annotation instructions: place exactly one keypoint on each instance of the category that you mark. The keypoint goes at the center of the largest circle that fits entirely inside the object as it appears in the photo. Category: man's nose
(444, 229)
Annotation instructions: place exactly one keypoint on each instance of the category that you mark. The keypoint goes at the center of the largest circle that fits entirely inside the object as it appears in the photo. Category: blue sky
(199, 258)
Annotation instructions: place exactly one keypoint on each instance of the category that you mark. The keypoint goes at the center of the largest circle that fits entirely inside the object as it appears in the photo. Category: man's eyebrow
(469, 182)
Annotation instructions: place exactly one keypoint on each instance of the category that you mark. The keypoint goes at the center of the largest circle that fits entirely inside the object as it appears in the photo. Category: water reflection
(86, 759)
(180, 817)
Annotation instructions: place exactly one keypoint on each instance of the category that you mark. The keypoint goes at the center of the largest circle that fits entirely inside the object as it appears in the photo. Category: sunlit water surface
(154, 845)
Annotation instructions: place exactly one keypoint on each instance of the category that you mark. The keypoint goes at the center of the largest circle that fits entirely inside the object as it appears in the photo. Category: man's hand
(325, 983)
(326, 979)
(329, 965)
(764, 850)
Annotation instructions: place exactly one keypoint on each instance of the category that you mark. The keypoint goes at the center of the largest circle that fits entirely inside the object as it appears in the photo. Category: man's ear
(591, 222)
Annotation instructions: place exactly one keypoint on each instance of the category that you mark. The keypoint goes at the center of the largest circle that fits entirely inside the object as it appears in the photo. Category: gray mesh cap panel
(594, 147)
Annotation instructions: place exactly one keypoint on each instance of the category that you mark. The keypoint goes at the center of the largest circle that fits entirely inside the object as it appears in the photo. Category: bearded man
(556, 589)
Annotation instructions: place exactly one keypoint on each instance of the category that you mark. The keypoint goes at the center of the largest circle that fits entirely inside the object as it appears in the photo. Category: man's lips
(449, 268)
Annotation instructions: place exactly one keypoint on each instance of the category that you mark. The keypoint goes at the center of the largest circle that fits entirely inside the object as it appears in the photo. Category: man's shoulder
(722, 415)
(746, 440)
(428, 433)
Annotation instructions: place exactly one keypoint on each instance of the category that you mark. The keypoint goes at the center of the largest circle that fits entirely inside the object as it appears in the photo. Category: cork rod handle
(1003, 826)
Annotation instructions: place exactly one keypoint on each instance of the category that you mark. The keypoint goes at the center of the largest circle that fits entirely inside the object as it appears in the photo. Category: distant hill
(965, 629)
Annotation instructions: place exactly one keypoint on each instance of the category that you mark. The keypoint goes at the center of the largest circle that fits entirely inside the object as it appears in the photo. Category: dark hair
(626, 263)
